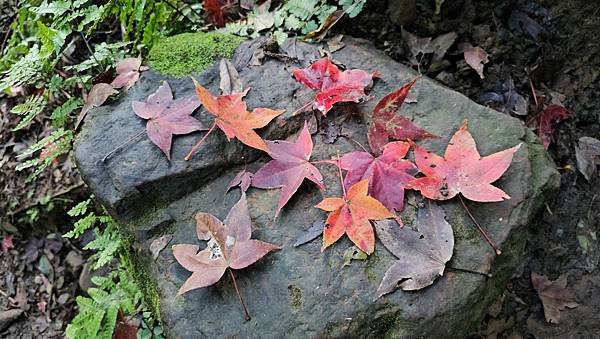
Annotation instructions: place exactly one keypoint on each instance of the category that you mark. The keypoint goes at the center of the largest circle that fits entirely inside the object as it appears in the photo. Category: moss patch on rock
(183, 54)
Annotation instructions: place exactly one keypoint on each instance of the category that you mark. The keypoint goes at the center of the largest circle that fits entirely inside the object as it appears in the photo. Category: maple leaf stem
(127, 142)
(467, 270)
(195, 147)
(301, 109)
(485, 235)
(246, 314)
(339, 166)
(354, 141)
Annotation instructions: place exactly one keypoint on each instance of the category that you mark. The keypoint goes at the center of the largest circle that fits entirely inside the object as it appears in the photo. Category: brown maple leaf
(554, 296)
(233, 118)
(128, 72)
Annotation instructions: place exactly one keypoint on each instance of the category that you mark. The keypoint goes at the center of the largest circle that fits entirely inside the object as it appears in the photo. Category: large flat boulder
(301, 292)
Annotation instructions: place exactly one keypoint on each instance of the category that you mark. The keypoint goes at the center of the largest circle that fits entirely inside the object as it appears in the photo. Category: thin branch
(53, 196)
(128, 141)
(485, 235)
(488, 275)
(246, 314)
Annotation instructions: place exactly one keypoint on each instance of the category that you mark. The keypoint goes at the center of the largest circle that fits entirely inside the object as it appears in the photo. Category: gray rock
(301, 292)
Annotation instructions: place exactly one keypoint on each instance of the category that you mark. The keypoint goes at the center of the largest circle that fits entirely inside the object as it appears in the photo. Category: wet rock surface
(301, 292)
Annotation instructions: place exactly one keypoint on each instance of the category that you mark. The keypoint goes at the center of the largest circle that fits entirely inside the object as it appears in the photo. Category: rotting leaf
(214, 10)
(587, 153)
(388, 174)
(310, 234)
(422, 254)
(331, 20)
(159, 244)
(97, 96)
(475, 57)
(334, 85)
(128, 72)
(335, 44)
(289, 167)
(167, 117)
(387, 124)
(546, 120)
(461, 170)
(243, 179)
(230, 79)
(353, 253)
(554, 296)
(228, 246)
(350, 215)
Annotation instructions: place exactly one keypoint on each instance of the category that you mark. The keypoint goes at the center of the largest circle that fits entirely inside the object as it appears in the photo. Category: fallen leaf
(124, 329)
(461, 170)
(335, 44)
(506, 98)
(554, 296)
(440, 45)
(41, 306)
(587, 153)
(320, 33)
(289, 167)
(243, 179)
(230, 79)
(353, 253)
(475, 57)
(520, 22)
(417, 46)
(422, 254)
(167, 117)
(546, 120)
(350, 215)
(386, 124)
(334, 85)
(260, 18)
(128, 72)
(228, 246)
(310, 234)
(97, 96)
(388, 174)
(214, 10)
(159, 244)
(7, 243)
(233, 118)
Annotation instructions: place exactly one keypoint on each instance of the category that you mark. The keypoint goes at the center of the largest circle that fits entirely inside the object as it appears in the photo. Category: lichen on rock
(183, 54)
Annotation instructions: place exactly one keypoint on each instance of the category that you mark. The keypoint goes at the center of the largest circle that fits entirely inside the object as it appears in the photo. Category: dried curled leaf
(422, 254)
(554, 296)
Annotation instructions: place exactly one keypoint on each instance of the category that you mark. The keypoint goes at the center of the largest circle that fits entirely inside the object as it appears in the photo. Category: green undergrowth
(183, 54)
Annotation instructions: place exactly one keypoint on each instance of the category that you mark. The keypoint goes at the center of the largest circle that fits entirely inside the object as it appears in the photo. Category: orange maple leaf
(351, 215)
(233, 118)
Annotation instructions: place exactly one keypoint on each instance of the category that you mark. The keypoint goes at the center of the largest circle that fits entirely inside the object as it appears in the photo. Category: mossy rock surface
(301, 292)
(188, 53)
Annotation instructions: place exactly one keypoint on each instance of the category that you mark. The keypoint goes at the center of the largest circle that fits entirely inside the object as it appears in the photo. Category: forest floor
(551, 45)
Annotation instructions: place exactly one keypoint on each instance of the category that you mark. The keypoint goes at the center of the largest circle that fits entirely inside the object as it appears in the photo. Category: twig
(485, 235)
(195, 147)
(246, 314)
(53, 196)
(89, 48)
(301, 109)
(339, 166)
(128, 141)
(354, 141)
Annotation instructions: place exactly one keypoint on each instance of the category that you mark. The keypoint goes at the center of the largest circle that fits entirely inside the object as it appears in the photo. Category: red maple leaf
(388, 174)
(387, 124)
(461, 170)
(7, 243)
(233, 118)
(214, 9)
(167, 117)
(334, 85)
(546, 120)
(289, 167)
(243, 179)
(351, 215)
(229, 246)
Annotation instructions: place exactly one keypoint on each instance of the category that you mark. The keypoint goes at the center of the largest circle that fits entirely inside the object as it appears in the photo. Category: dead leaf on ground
(243, 179)
(320, 33)
(230, 78)
(422, 254)
(353, 253)
(159, 244)
(587, 153)
(335, 44)
(97, 96)
(260, 18)
(310, 234)
(128, 72)
(554, 296)
(475, 57)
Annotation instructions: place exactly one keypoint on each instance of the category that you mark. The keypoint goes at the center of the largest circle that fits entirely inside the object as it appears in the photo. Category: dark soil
(564, 59)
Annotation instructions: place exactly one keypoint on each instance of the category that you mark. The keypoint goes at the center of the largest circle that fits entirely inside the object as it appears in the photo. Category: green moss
(183, 54)
(295, 295)
(372, 262)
